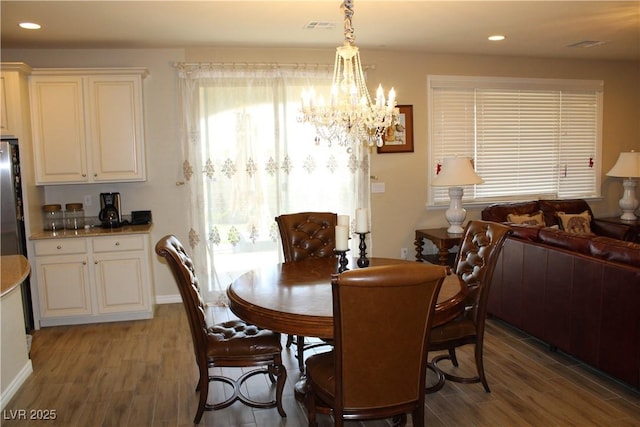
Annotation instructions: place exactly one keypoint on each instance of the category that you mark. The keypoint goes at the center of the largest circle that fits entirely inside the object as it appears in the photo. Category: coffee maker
(110, 210)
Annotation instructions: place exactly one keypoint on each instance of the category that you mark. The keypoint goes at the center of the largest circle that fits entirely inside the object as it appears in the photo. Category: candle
(343, 220)
(362, 221)
(379, 97)
(311, 96)
(342, 238)
(392, 98)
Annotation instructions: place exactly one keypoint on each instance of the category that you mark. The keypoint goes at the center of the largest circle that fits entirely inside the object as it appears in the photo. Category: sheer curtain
(247, 159)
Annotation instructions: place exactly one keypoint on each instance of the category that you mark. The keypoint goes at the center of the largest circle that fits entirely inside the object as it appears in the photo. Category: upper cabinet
(13, 102)
(15, 121)
(88, 125)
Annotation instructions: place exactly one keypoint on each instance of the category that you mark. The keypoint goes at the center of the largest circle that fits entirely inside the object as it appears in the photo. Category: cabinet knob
(95, 262)
(84, 262)
(117, 243)
(84, 175)
(59, 247)
(95, 175)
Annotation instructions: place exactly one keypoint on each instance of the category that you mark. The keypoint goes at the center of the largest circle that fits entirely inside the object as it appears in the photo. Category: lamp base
(628, 203)
(456, 213)
(628, 216)
(455, 229)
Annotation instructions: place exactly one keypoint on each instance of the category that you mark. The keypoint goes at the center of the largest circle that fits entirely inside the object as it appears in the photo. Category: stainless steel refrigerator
(13, 239)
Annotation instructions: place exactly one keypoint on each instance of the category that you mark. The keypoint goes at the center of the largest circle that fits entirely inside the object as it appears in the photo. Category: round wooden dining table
(295, 297)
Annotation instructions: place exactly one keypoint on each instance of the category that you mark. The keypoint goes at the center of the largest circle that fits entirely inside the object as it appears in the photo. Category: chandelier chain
(349, 32)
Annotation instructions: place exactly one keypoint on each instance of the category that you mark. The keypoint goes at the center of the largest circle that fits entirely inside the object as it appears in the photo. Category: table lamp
(627, 167)
(456, 172)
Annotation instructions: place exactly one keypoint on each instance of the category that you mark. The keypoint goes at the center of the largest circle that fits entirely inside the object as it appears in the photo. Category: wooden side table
(443, 241)
(635, 225)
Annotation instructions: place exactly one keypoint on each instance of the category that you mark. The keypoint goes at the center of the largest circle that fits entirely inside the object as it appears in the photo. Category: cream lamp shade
(455, 173)
(627, 167)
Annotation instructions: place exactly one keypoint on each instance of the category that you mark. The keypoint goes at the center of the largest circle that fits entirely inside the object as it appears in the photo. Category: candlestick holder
(342, 259)
(363, 261)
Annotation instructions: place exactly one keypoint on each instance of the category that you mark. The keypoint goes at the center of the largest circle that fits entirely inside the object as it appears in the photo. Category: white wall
(395, 213)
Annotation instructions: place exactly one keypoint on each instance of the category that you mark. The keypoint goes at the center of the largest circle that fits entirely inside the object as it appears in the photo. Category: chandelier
(349, 116)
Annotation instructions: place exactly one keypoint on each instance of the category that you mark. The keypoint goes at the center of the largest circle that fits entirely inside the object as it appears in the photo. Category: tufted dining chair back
(382, 317)
(234, 343)
(475, 262)
(307, 235)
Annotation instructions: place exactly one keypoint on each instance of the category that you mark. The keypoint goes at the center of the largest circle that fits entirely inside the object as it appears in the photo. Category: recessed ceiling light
(496, 37)
(29, 25)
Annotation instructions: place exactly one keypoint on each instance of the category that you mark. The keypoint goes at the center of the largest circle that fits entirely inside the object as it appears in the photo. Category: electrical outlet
(404, 253)
(87, 200)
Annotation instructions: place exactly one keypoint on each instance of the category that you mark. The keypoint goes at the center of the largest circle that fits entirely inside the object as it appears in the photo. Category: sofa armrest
(613, 230)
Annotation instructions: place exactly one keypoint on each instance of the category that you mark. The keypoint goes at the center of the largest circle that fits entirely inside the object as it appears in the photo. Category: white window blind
(529, 138)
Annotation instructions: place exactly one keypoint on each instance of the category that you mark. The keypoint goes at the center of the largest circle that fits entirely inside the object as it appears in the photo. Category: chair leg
(281, 373)
(480, 378)
(298, 341)
(452, 356)
(203, 388)
(310, 403)
(480, 367)
(300, 351)
(418, 417)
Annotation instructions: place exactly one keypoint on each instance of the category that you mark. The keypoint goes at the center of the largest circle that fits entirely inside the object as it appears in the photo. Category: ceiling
(542, 28)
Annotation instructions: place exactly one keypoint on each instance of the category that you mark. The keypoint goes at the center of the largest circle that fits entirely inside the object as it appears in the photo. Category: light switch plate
(377, 187)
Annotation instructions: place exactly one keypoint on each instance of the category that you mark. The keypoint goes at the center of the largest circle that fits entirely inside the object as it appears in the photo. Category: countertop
(13, 270)
(93, 232)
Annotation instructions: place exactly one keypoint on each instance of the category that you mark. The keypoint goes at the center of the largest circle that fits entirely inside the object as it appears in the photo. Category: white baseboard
(109, 317)
(15, 385)
(168, 299)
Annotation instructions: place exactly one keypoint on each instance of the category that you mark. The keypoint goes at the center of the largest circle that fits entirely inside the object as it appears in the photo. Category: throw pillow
(533, 219)
(575, 223)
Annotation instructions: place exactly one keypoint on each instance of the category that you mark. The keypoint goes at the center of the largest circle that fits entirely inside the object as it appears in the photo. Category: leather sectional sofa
(577, 291)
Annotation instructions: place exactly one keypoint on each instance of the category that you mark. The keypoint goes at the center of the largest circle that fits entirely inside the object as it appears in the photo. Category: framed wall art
(399, 137)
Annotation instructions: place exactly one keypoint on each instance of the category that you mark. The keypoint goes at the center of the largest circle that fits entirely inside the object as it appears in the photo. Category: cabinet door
(13, 103)
(116, 128)
(5, 128)
(122, 282)
(63, 285)
(58, 129)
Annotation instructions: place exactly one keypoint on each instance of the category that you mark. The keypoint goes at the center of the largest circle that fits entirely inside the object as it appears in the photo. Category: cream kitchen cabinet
(93, 279)
(88, 125)
(15, 121)
(13, 102)
(121, 272)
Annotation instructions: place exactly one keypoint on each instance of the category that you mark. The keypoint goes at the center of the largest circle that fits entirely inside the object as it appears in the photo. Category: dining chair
(474, 265)
(306, 235)
(234, 343)
(382, 317)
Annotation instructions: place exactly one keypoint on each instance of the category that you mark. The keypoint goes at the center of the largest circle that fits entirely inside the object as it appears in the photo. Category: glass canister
(53, 218)
(73, 216)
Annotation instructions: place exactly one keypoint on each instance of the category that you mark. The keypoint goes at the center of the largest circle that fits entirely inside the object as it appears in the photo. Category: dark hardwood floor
(142, 373)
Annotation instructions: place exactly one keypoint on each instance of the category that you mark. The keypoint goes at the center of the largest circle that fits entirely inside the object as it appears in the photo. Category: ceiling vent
(585, 44)
(320, 25)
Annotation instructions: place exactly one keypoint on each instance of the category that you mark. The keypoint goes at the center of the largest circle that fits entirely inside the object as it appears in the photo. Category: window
(529, 138)
(248, 159)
